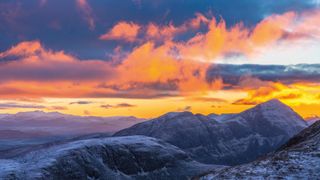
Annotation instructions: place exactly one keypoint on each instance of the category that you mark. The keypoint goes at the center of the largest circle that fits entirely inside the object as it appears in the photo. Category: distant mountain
(55, 123)
(14, 134)
(297, 159)
(135, 157)
(227, 140)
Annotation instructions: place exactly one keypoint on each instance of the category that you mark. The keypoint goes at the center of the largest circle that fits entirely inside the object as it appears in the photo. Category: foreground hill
(297, 159)
(105, 158)
(228, 140)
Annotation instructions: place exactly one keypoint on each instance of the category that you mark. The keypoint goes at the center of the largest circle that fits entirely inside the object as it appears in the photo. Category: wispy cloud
(58, 108)
(87, 13)
(12, 105)
(121, 105)
(81, 102)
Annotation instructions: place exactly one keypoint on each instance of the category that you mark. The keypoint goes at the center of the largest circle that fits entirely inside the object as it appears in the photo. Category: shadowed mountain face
(297, 159)
(228, 140)
(135, 157)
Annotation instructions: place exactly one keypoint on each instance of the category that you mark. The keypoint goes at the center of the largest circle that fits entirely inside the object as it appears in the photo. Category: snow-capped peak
(273, 103)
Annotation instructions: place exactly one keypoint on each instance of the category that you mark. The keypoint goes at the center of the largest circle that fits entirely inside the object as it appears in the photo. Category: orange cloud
(196, 22)
(271, 29)
(37, 72)
(23, 49)
(32, 51)
(220, 41)
(156, 32)
(294, 94)
(146, 67)
(151, 69)
(148, 63)
(165, 32)
(127, 31)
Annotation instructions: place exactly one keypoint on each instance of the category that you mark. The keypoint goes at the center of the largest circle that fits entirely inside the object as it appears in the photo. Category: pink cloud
(127, 31)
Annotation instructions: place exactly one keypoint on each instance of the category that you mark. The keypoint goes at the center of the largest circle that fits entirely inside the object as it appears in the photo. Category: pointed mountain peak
(273, 102)
(276, 112)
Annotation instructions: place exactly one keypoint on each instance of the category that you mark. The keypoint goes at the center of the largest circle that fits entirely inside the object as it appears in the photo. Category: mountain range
(226, 140)
(41, 124)
(261, 142)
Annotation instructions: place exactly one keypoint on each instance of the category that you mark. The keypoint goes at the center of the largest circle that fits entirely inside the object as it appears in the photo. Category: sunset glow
(102, 64)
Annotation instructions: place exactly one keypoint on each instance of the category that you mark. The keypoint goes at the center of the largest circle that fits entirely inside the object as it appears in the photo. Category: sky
(145, 58)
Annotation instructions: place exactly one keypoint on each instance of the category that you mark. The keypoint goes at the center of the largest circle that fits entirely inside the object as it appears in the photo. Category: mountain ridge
(299, 158)
(215, 141)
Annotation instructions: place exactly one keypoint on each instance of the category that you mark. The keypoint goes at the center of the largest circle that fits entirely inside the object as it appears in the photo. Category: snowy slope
(297, 159)
(136, 157)
(229, 140)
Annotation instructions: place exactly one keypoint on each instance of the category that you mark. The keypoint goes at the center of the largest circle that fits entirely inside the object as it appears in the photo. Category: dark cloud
(58, 108)
(140, 90)
(20, 106)
(286, 74)
(246, 102)
(215, 106)
(187, 108)
(138, 94)
(209, 99)
(82, 102)
(121, 105)
(170, 85)
(53, 72)
(106, 106)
